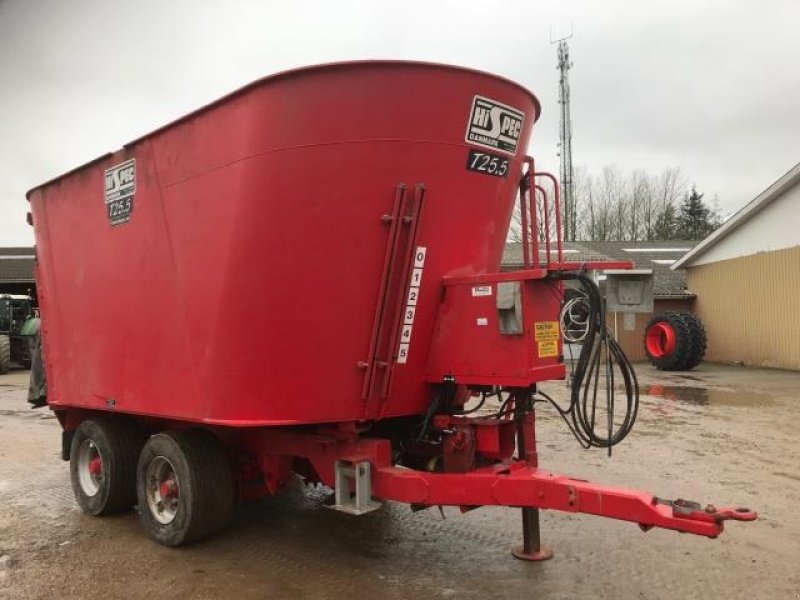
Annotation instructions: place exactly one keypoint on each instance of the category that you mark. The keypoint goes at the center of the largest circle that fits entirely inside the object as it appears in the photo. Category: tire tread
(121, 441)
(204, 472)
(211, 473)
(697, 339)
(5, 354)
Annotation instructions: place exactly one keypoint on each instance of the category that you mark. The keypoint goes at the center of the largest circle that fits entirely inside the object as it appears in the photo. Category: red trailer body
(317, 251)
(245, 283)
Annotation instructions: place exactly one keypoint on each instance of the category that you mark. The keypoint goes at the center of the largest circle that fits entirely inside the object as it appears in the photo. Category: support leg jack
(531, 548)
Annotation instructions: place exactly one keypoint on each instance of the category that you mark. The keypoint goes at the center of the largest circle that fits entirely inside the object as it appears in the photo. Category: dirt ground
(726, 435)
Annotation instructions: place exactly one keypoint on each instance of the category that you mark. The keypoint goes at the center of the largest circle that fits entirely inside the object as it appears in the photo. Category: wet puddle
(703, 396)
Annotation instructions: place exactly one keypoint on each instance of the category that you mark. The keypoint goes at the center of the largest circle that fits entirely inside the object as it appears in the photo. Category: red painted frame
(509, 483)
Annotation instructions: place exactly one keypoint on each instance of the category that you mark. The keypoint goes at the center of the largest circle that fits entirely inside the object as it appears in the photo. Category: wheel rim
(660, 339)
(163, 490)
(90, 467)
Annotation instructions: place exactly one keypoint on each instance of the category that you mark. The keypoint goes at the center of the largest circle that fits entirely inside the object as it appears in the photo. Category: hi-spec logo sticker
(120, 188)
(494, 125)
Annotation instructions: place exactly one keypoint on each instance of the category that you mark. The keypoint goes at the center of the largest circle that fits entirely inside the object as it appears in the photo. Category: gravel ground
(725, 435)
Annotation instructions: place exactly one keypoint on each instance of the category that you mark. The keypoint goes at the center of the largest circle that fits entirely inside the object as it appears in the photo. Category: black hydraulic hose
(504, 404)
(477, 408)
(433, 408)
(581, 413)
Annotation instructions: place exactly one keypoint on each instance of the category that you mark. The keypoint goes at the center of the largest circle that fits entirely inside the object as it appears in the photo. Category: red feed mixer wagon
(302, 278)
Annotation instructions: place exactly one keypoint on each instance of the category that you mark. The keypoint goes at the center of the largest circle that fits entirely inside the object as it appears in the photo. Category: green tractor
(19, 324)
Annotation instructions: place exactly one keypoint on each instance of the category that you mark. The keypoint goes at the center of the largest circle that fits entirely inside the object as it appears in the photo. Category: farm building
(16, 270)
(746, 279)
(669, 285)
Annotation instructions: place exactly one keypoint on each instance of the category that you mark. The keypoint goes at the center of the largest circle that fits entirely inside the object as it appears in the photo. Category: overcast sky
(711, 86)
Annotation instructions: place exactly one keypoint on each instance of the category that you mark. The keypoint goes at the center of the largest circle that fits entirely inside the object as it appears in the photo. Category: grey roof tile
(16, 264)
(667, 283)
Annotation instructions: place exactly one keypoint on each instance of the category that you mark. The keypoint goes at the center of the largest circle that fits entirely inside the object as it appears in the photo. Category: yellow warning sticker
(548, 348)
(545, 331)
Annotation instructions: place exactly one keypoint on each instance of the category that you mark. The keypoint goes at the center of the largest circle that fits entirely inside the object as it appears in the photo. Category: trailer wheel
(667, 341)
(184, 486)
(102, 467)
(5, 354)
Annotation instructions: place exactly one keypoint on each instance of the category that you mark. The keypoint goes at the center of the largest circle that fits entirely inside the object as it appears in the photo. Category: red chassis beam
(521, 485)
(513, 483)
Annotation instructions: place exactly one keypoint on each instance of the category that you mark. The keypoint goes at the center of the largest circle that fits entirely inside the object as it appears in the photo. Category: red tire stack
(675, 341)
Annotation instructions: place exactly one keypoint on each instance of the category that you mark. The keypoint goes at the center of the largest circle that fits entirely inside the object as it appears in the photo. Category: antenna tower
(565, 139)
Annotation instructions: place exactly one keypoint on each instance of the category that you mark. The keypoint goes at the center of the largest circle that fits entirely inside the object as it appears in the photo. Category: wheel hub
(96, 466)
(90, 467)
(163, 490)
(660, 339)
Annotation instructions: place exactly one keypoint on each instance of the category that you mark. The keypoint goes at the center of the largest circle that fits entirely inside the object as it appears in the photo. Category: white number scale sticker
(411, 305)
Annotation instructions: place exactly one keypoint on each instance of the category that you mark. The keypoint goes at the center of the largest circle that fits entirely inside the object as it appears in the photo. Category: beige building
(746, 280)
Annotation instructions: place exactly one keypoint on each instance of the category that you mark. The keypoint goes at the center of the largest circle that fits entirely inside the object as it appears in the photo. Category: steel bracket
(354, 487)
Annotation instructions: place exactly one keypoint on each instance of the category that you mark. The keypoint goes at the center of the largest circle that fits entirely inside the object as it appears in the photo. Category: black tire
(21, 351)
(670, 356)
(202, 485)
(5, 354)
(697, 339)
(117, 443)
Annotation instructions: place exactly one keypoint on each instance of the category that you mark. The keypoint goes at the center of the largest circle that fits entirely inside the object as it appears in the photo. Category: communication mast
(565, 139)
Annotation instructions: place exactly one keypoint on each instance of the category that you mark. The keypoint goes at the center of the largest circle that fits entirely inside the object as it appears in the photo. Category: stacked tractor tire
(675, 341)
(5, 354)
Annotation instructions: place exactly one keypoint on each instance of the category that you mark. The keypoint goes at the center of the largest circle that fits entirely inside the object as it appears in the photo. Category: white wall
(774, 227)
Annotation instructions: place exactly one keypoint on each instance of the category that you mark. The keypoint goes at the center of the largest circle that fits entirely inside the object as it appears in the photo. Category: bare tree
(672, 185)
(644, 197)
(641, 205)
(614, 205)
(515, 227)
(582, 192)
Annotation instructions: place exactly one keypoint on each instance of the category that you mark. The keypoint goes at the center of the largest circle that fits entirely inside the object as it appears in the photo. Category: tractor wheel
(667, 341)
(21, 351)
(102, 465)
(698, 341)
(184, 486)
(5, 354)
(26, 356)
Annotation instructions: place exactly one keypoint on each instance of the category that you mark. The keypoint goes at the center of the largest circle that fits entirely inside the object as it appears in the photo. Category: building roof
(573, 252)
(16, 264)
(658, 256)
(789, 179)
